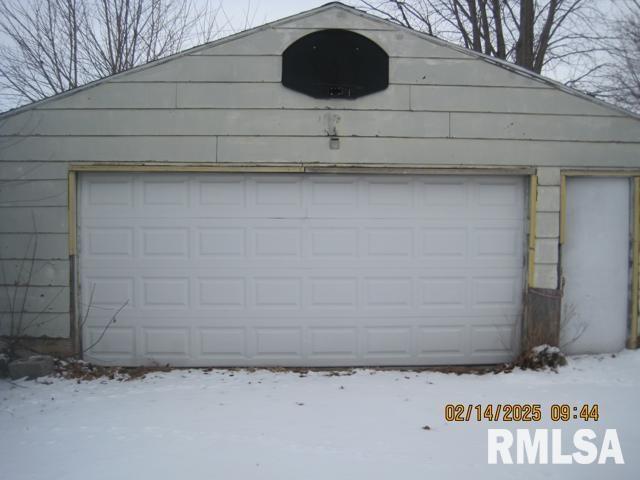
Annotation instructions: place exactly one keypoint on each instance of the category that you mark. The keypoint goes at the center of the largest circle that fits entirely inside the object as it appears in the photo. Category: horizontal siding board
(242, 122)
(273, 95)
(41, 273)
(33, 192)
(113, 149)
(56, 325)
(20, 171)
(257, 68)
(191, 68)
(540, 127)
(310, 149)
(50, 246)
(119, 95)
(472, 72)
(273, 41)
(221, 95)
(428, 151)
(504, 100)
(268, 41)
(32, 219)
(38, 299)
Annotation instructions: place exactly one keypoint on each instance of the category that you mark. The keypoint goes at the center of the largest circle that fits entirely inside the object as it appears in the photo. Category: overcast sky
(260, 11)
(268, 10)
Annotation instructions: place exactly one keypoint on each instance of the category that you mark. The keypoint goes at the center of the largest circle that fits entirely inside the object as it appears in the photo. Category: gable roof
(366, 18)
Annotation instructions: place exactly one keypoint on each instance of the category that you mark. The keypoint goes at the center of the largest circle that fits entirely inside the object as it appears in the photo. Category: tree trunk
(524, 47)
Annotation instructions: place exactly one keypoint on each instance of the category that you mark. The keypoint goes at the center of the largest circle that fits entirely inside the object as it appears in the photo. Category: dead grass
(85, 371)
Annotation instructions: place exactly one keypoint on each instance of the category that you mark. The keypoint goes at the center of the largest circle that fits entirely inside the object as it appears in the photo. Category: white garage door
(301, 270)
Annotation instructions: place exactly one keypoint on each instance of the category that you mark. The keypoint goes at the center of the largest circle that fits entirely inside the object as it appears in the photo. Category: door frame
(633, 293)
(74, 169)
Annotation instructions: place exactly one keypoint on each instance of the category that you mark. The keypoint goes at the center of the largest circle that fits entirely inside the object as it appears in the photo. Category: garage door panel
(222, 342)
(389, 195)
(387, 293)
(328, 242)
(165, 193)
(221, 242)
(495, 243)
(301, 270)
(165, 242)
(496, 291)
(108, 242)
(442, 197)
(493, 340)
(222, 292)
(390, 341)
(389, 242)
(277, 292)
(441, 243)
(332, 292)
(330, 195)
(444, 292)
(277, 342)
(166, 341)
(221, 195)
(108, 194)
(117, 342)
(276, 242)
(166, 291)
(333, 342)
(442, 341)
(110, 291)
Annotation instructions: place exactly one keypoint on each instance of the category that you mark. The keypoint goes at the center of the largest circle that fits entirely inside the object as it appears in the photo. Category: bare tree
(41, 56)
(50, 46)
(124, 33)
(535, 34)
(620, 81)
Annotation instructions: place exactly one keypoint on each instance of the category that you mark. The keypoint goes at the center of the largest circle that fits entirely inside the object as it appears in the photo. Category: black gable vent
(335, 64)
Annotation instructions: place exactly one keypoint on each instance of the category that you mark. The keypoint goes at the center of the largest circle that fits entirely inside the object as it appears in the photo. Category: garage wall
(547, 228)
(33, 198)
(224, 103)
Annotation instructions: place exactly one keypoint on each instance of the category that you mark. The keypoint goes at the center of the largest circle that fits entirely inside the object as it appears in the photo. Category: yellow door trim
(563, 207)
(600, 172)
(71, 210)
(635, 269)
(533, 199)
(74, 328)
(398, 169)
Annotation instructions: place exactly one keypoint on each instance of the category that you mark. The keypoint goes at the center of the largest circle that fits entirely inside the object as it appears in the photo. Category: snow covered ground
(244, 425)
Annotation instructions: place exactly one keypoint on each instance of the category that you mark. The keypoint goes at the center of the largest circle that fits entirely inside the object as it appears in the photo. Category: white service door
(301, 270)
(595, 265)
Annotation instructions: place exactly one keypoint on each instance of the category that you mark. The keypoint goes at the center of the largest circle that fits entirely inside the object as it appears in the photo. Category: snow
(222, 424)
(548, 349)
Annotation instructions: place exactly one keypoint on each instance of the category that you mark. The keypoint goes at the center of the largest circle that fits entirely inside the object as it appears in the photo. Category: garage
(328, 189)
(301, 270)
